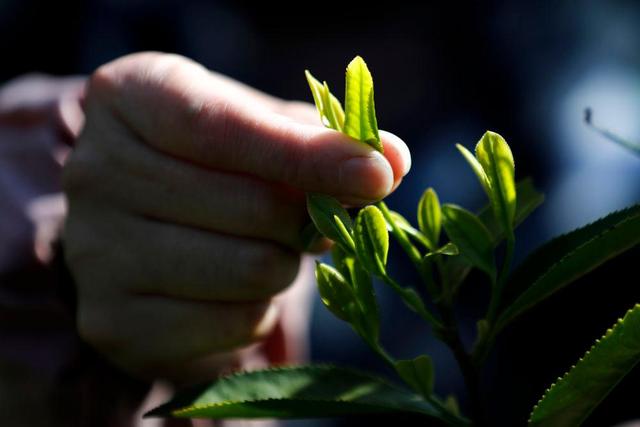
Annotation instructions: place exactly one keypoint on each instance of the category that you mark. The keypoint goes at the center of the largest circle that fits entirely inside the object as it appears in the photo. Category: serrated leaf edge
(291, 368)
(606, 335)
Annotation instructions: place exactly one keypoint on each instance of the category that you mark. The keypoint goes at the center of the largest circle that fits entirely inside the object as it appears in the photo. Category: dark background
(444, 73)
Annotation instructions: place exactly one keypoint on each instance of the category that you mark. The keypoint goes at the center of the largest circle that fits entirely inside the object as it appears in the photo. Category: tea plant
(448, 242)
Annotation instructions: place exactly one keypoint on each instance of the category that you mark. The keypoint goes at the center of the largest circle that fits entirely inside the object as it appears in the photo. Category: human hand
(186, 206)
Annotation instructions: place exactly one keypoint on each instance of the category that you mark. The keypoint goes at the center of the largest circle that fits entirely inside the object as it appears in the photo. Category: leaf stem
(413, 301)
(450, 335)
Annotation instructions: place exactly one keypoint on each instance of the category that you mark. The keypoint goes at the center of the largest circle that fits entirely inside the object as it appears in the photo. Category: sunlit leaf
(360, 119)
(495, 156)
(372, 240)
(430, 217)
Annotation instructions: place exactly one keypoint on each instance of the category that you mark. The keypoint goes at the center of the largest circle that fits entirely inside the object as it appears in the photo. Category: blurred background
(444, 73)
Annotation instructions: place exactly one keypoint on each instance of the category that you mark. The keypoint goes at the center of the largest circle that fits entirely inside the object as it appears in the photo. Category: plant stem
(451, 337)
(496, 294)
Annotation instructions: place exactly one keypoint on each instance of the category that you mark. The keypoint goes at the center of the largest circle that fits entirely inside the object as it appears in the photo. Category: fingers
(170, 334)
(179, 262)
(134, 178)
(196, 116)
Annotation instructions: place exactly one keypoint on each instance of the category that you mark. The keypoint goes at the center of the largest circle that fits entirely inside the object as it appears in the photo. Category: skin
(186, 206)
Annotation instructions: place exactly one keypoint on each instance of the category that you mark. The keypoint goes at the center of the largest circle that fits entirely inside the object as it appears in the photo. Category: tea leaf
(477, 168)
(372, 240)
(360, 119)
(335, 292)
(569, 257)
(369, 325)
(418, 373)
(573, 397)
(430, 217)
(327, 104)
(495, 156)
(406, 226)
(332, 109)
(297, 392)
(317, 90)
(528, 199)
(323, 210)
(470, 236)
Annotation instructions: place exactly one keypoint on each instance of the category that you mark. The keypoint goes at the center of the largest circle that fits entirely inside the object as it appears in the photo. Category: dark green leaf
(569, 257)
(336, 293)
(323, 210)
(418, 373)
(360, 122)
(296, 392)
(528, 199)
(470, 236)
(573, 397)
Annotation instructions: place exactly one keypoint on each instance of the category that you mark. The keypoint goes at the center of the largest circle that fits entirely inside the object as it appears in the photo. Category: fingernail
(369, 177)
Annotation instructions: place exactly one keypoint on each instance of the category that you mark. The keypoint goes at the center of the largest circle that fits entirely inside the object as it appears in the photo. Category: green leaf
(449, 249)
(297, 392)
(495, 156)
(360, 120)
(569, 257)
(477, 168)
(573, 397)
(372, 240)
(335, 292)
(317, 90)
(369, 322)
(406, 226)
(528, 199)
(324, 210)
(327, 104)
(470, 236)
(418, 373)
(430, 217)
(332, 109)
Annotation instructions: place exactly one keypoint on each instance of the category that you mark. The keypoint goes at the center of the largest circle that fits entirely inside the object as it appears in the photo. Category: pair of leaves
(358, 120)
(573, 397)
(298, 392)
